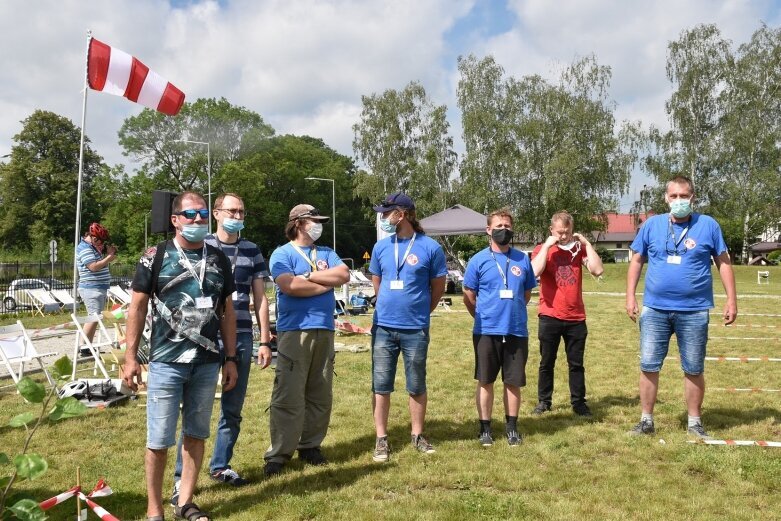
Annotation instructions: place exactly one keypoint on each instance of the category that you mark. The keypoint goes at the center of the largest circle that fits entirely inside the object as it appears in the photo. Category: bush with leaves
(27, 465)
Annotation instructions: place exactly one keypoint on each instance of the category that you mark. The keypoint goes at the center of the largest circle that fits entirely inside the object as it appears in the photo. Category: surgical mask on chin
(232, 225)
(315, 231)
(387, 226)
(681, 208)
(573, 247)
(501, 236)
(194, 232)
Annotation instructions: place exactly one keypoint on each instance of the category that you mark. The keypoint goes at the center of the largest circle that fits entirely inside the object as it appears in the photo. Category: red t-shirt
(561, 284)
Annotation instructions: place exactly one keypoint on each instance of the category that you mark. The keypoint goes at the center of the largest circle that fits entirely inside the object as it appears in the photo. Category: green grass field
(567, 467)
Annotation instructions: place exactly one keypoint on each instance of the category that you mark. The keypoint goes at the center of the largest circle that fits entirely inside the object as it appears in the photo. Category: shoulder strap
(157, 263)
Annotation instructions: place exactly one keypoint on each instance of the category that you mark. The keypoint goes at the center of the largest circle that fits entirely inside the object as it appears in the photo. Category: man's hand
(631, 307)
(730, 312)
(264, 357)
(578, 237)
(550, 241)
(131, 373)
(229, 376)
(112, 250)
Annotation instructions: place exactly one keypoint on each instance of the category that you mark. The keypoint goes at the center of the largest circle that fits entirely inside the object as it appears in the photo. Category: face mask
(315, 231)
(194, 232)
(387, 226)
(572, 247)
(681, 208)
(501, 236)
(232, 225)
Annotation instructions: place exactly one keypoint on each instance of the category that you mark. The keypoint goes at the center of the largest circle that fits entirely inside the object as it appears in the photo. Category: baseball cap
(393, 201)
(307, 211)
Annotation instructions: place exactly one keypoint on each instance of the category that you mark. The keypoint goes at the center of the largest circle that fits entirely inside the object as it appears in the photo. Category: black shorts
(508, 353)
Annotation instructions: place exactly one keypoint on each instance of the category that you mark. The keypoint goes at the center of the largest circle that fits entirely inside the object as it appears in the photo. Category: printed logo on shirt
(516, 270)
(689, 243)
(322, 264)
(412, 259)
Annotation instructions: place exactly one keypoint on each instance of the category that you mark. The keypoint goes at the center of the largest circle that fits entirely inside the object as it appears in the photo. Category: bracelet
(234, 359)
(265, 344)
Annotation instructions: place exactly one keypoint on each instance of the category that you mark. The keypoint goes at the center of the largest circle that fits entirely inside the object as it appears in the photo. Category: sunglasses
(191, 214)
(310, 213)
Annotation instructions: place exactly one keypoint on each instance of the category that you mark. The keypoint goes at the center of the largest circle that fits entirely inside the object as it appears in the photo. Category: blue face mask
(232, 225)
(387, 226)
(681, 208)
(194, 232)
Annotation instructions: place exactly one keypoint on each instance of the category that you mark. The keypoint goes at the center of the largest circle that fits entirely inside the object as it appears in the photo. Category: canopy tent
(456, 220)
(765, 247)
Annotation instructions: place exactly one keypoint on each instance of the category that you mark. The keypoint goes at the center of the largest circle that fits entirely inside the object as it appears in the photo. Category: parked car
(122, 281)
(16, 298)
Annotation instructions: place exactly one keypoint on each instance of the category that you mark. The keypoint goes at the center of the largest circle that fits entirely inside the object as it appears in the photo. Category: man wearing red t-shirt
(558, 262)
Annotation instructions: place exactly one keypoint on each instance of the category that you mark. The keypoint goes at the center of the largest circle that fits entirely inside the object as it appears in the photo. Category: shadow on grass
(725, 418)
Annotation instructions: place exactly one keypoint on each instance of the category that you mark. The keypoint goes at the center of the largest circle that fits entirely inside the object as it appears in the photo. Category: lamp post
(208, 173)
(333, 201)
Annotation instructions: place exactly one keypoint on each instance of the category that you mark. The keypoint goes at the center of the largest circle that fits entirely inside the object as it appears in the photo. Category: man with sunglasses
(192, 301)
(306, 275)
(249, 274)
(678, 295)
(93, 256)
(559, 263)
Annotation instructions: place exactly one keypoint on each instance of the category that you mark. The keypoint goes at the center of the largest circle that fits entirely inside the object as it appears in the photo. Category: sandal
(191, 512)
(155, 518)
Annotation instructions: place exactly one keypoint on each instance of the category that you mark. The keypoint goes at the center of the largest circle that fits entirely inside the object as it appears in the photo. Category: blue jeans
(231, 403)
(691, 331)
(387, 344)
(170, 384)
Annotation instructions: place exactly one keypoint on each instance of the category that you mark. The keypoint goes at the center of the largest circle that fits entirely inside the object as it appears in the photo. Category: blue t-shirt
(299, 313)
(410, 307)
(687, 286)
(495, 315)
(86, 254)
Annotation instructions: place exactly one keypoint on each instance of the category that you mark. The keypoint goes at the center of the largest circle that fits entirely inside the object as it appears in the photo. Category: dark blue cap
(393, 201)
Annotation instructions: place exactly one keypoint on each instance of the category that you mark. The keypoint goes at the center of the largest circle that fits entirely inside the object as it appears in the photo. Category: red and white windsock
(116, 72)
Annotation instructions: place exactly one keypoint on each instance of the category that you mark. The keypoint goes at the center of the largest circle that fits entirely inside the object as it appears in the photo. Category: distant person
(408, 274)
(678, 294)
(302, 397)
(497, 287)
(93, 255)
(562, 315)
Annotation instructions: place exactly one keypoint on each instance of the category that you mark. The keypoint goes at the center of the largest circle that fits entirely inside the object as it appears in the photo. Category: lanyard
(672, 235)
(406, 253)
(311, 259)
(189, 266)
(235, 254)
(506, 266)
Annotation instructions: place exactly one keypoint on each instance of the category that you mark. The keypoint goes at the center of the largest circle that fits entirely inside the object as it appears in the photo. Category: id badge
(235, 296)
(203, 302)
(505, 293)
(397, 284)
(673, 259)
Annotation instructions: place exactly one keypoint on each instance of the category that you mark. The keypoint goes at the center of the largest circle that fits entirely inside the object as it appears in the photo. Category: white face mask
(572, 247)
(315, 231)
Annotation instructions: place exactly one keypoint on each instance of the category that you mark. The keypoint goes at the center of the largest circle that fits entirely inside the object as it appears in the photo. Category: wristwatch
(234, 359)
(307, 275)
(265, 344)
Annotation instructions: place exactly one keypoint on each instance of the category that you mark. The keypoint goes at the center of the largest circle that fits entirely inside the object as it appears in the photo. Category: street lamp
(333, 207)
(208, 173)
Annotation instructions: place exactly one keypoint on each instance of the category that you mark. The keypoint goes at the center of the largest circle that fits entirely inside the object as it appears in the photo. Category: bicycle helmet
(77, 389)
(98, 231)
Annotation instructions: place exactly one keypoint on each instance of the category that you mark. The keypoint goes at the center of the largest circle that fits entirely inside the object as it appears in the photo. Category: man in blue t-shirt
(408, 274)
(497, 286)
(301, 399)
(678, 293)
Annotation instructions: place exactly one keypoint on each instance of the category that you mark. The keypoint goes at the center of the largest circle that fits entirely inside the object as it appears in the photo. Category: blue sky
(304, 64)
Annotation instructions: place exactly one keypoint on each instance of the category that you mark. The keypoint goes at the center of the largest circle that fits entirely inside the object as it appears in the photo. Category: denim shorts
(94, 300)
(691, 331)
(387, 344)
(170, 384)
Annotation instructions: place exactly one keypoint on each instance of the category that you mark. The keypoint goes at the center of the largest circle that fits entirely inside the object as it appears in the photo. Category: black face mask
(501, 236)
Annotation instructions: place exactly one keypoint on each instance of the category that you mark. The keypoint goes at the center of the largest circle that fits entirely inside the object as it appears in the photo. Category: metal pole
(146, 239)
(77, 235)
(209, 175)
(333, 208)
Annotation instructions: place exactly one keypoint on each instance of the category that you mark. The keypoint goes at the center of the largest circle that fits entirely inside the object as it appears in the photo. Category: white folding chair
(117, 295)
(43, 301)
(65, 298)
(763, 277)
(16, 347)
(100, 340)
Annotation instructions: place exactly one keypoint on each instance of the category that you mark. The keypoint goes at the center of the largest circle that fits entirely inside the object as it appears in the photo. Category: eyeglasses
(191, 214)
(233, 212)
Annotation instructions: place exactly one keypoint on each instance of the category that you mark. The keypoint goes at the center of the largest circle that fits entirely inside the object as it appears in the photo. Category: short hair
(501, 212)
(680, 180)
(562, 216)
(221, 198)
(176, 205)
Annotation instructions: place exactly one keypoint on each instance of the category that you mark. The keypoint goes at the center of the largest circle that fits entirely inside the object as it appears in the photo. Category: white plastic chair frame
(99, 340)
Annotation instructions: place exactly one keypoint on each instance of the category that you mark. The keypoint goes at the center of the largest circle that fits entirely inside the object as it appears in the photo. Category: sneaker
(514, 438)
(582, 410)
(175, 494)
(381, 450)
(698, 431)
(229, 476)
(485, 439)
(272, 468)
(422, 445)
(312, 456)
(541, 408)
(642, 427)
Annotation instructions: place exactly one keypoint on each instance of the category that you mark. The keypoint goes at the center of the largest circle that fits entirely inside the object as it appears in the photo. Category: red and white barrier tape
(744, 390)
(59, 498)
(101, 490)
(750, 314)
(763, 338)
(101, 512)
(36, 332)
(742, 443)
(735, 358)
(743, 325)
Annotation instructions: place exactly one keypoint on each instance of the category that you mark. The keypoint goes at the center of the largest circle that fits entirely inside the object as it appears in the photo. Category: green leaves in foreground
(30, 466)
(23, 419)
(27, 510)
(30, 390)
(67, 408)
(62, 368)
